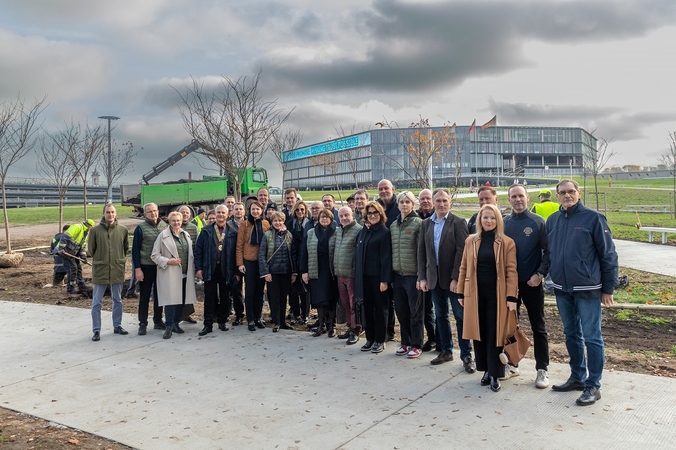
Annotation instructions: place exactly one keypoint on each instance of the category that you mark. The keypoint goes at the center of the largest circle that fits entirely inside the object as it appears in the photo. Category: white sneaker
(542, 380)
(510, 371)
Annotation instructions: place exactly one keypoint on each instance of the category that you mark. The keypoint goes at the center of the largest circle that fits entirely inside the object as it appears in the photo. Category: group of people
(397, 255)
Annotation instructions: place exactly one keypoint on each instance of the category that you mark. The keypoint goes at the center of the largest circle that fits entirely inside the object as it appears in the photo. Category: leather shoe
(485, 380)
(495, 384)
(259, 324)
(428, 346)
(589, 396)
(206, 330)
(96, 337)
(176, 329)
(569, 385)
(468, 364)
(167, 333)
(285, 327)
(252, 327)
(189, 319)
(367, 347)
(159, 326)
(223, 327)
(120, 330)
(442, 358)
(142, 330)
(344, 335)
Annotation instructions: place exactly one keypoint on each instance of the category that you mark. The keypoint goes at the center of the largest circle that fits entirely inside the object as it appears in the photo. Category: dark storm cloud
(420, 46)
(308, 27)
(604, 121)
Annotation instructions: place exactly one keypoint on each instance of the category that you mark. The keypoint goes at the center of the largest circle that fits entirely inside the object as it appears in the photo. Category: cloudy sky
(604, 65)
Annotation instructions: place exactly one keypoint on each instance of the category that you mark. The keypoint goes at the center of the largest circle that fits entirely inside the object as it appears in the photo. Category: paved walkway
(244, 390)
(649, 257)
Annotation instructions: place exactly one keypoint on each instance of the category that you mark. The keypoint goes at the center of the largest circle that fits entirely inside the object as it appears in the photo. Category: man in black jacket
(528, 231)
(214, 264)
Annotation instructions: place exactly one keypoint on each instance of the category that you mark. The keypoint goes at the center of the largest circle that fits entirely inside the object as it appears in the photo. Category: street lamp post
(110, 160)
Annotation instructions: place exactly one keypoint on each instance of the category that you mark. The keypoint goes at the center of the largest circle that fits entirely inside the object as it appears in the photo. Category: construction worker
(546, 207)
(71, 249)
(60, 270)
(200, 220)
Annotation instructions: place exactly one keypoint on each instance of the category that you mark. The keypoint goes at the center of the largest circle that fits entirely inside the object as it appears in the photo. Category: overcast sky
(601, 65)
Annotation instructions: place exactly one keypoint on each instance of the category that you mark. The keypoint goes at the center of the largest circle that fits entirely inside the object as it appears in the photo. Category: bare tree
(669, 160)
(85, 156)
(282, 142)
(422, 148)
(234, 124)
(18, 125)
(53, 161)
(121, 158)
(329, 161)
(595, 160)
(352, 156)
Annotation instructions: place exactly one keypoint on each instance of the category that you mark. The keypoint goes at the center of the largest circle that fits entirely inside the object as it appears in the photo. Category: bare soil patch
(641, 342)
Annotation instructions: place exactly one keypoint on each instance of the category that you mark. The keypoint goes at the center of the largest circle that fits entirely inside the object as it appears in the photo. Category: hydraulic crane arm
(173, 159)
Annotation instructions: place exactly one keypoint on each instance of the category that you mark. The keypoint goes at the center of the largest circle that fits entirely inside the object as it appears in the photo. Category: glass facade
(510, 152)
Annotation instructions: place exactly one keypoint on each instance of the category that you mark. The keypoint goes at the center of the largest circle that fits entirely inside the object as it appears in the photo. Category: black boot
(495, 384)
(167, 333)
(485, 380)
(321, 327)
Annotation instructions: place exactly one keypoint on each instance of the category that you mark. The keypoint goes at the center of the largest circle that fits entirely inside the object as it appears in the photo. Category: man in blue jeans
(584, 274)
(440, 247)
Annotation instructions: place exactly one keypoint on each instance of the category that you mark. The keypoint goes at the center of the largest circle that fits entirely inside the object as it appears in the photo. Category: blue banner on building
(347, 143)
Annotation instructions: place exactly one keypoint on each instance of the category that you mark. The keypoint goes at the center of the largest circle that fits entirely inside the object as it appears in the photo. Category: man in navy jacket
(528, 231)
(584, 275)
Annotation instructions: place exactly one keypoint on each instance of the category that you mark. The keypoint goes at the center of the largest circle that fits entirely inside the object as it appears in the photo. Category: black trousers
(216, 298)
(430, 319)
(533, 298)
(298, 298)
(148, 287)
(376, 307)
(278, 292)
(486, 353)
(253, 291)
(408, 304)
(238, 299)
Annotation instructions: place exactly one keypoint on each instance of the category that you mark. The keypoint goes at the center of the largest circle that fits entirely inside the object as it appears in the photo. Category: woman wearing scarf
(172, 253)
(251, 233)
(316, 265)
(373, 273)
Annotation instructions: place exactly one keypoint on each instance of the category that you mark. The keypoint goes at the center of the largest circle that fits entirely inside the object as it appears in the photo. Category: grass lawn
(50, 214)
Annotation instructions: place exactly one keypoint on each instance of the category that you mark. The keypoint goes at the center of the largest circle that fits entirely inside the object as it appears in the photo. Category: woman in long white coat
(173, 255)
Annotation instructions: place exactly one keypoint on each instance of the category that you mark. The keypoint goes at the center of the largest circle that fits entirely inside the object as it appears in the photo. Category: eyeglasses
(569, 192)
(372, 213)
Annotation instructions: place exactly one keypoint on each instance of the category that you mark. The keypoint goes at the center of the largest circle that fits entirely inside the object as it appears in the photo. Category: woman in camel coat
(173, 255)
(487, 285)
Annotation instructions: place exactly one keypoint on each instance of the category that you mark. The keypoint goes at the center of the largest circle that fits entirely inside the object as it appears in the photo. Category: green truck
(205, 193)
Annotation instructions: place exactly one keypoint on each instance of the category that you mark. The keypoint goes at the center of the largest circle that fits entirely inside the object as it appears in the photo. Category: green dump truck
(205, 193)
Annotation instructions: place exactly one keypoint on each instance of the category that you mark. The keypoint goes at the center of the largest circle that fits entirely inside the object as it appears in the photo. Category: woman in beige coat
(173, 255)
(487, 285)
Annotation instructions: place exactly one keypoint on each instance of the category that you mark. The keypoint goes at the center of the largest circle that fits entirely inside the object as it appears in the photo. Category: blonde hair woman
(173, 255)
(487, 286)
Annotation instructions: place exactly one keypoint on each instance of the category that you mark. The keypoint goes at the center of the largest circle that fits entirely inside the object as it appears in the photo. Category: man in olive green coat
(108, 244)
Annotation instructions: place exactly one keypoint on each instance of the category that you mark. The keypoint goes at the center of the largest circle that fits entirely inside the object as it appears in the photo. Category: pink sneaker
(413, 352)
(401, 351)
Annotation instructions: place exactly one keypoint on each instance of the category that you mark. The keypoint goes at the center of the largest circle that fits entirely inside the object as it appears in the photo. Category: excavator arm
(173, 159)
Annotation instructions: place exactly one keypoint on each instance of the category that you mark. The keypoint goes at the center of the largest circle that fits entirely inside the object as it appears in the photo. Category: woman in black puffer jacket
(276, 257)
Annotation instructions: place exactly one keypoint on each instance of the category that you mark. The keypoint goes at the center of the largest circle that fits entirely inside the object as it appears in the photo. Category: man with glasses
(361, 197)
(145, 268)
(583, 269)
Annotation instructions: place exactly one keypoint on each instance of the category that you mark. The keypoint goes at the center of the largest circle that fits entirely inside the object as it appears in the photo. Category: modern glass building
(496, 154)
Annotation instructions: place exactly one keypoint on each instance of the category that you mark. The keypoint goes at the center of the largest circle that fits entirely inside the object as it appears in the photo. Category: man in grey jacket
(343, 263)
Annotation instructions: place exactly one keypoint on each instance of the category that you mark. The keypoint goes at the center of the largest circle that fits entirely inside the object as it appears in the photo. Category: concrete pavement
(655, 258)
(287, 390)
